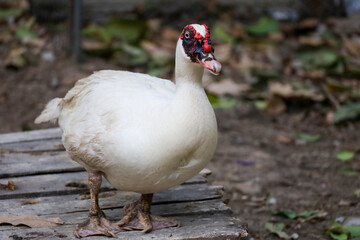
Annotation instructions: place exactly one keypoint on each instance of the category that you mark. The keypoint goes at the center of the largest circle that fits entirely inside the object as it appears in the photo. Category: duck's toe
(96, 225)
(138, 219)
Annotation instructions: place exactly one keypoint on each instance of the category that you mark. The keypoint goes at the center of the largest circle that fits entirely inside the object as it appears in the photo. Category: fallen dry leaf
(10, 186)
(157, 53)
(352, 47)
(309, 23)
(275, 105)
(170, 34)
(32, 221)
(227, 86)
(286, 91)
(276, 37)
(223, 53)
(205, 172)
(93, 45)
(16, 58)
(311, 41)
(284, 139)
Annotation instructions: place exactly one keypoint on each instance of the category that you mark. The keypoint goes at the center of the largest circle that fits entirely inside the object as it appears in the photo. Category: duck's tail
(51, 112)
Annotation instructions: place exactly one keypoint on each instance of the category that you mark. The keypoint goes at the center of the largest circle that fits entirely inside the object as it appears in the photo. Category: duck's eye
(187, 35)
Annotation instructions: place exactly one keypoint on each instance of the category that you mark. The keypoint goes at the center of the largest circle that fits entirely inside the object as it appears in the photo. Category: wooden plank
(30, 135)
(172, 209)
(23, 164)
(43, 145)
(201, 227)
(55, 184)
(108, 200)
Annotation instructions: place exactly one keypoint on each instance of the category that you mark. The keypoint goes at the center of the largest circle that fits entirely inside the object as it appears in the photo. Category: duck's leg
(138, 217)
(96, 223)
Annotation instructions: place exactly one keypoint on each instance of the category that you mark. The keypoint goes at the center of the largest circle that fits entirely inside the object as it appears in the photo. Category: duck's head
(196, 45)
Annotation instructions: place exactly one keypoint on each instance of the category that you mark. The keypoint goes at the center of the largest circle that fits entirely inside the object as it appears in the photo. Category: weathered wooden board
(22, 164)
(51, 185)
(73, 206)
(111, 199)
(53, 144)
(200, 227)
(55, 184)
(43, 134)
(115, 213)
(25, 164)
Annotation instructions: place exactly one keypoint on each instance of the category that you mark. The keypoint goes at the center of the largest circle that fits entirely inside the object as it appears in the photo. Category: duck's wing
(130, 84)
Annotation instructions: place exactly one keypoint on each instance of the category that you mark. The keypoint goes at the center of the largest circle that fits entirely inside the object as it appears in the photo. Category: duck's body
(144, 133)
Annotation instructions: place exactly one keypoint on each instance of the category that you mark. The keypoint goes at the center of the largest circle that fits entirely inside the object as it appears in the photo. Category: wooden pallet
(55, 186)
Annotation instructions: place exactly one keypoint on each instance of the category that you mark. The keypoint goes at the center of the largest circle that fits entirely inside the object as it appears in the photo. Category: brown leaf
(275, 106)
(169, 38)
(286, 91)
(16, 58)
(32, 221)
(308, 23)
(284, 139)
(227, 86)
(313, 74)
(170, 34)
(223, 53)
(352, 47)
(311, 41)
(158, 54)
(10, 186)
(276, 37)
(93, 45)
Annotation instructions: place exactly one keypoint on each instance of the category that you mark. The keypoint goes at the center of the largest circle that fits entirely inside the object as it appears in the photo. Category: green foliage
(220, 33)
(307, 214)
(260, 104)
(284, 213)
(11, 12)
(345, 155)
(338, 231)
(346, 112)
(318, 59)
(264, 26)
(348, 172)
(24, 31)
(308, 137)
(274, 227)
(126, 30)
(221, 102)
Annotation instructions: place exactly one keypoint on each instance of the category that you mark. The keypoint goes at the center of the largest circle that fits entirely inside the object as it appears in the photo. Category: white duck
(143, 134)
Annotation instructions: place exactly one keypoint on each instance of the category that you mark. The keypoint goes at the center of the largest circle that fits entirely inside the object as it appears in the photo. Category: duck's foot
(138, 217)
(96, 225)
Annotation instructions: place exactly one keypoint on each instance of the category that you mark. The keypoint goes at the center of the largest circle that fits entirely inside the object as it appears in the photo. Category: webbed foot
(96, 225)
(138, 217)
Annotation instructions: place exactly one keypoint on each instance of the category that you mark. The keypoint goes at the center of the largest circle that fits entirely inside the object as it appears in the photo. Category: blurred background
(287, 100)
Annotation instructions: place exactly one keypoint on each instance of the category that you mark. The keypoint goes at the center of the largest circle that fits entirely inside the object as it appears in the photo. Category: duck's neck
(186, 71)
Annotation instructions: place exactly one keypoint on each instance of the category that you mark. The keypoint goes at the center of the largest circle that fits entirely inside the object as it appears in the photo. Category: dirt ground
(259, 170)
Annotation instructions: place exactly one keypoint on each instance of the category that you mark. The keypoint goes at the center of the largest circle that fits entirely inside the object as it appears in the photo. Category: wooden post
(75, 31)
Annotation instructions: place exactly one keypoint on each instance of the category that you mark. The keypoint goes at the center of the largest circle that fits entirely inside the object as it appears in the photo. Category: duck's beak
(211, 64)
(208, 60)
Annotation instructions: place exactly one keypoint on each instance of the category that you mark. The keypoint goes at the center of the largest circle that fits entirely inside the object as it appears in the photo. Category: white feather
(51, 112)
